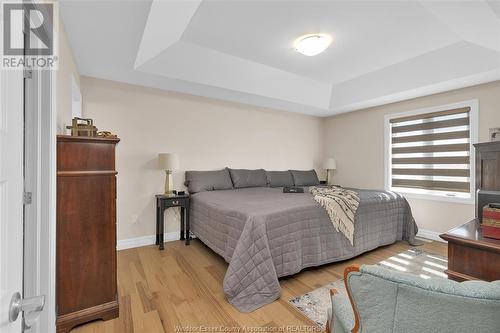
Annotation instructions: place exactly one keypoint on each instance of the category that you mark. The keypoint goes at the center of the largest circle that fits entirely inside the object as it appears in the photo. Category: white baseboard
(429, 234)
(130, 243)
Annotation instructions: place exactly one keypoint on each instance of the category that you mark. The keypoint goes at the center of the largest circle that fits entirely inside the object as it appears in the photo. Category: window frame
(474, 137)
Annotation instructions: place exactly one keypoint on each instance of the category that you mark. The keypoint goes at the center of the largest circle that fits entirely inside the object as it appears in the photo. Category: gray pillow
(248, 178)
(200, 181)
(279, 178)
(305, 178)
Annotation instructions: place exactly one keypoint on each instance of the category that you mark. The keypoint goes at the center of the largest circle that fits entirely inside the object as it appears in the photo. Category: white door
(24, 275)
(11, 194)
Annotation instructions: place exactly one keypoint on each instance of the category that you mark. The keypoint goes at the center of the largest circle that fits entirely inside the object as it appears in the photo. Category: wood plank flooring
(181, 288)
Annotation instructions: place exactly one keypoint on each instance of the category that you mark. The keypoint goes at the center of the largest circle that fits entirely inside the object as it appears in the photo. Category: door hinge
(28, 73)
(27, 198)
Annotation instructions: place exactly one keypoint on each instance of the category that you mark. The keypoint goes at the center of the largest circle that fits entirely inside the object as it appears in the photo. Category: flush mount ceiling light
(311, 45)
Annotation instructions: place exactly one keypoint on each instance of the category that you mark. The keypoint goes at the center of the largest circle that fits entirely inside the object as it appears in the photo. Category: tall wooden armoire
(487, 175)
(86, 231)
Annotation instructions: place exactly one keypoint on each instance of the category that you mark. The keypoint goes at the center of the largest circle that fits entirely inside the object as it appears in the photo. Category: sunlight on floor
(433, 271)
(436, 258)
(404, 255)
(430, 263)
(390, 264)
(401, 261)
(415, 262)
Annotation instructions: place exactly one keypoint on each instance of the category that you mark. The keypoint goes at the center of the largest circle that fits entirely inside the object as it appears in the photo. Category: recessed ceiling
(383, 51)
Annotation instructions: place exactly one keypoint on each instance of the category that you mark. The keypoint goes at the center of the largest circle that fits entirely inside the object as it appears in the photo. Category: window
(429, 152)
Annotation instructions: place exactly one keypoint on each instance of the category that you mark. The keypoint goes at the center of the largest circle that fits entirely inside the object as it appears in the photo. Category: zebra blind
(431, 151)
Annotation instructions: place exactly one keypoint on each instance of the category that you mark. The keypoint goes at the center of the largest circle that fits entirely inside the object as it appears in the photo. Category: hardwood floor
(182, 287)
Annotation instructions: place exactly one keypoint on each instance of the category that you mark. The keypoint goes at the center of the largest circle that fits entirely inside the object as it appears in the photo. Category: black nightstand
(163, 202)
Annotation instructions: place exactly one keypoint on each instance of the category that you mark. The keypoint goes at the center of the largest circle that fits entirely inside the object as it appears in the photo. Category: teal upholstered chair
(383, 301)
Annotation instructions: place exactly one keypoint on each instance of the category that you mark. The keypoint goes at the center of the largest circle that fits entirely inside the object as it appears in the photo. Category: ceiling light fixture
(311, 45)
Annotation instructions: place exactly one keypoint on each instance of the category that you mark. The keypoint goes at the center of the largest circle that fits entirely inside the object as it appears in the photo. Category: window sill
(434, 197)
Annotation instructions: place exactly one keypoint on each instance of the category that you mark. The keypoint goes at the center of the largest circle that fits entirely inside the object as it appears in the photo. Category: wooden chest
(86, 231)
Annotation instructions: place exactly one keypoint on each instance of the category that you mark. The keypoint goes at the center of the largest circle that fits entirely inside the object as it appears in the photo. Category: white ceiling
(383, 51)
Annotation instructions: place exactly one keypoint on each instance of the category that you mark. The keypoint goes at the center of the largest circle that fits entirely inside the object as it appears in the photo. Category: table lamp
(329, 165)
(168, 162)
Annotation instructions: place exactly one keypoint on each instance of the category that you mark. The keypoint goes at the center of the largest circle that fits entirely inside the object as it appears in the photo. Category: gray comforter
(265, 234)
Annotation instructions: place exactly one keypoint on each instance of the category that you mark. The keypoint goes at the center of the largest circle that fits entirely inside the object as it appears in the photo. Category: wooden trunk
(470, 255)
(86, 231)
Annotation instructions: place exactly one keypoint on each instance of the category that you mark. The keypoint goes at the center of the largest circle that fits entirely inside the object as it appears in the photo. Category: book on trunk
(491, 221)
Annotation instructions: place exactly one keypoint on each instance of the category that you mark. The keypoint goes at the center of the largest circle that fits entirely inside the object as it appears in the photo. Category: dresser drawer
(84, 156)
(175, 203)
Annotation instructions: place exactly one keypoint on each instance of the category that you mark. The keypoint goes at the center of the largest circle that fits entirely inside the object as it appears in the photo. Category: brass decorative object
(106, 134)
(82, 127)
(169, 189)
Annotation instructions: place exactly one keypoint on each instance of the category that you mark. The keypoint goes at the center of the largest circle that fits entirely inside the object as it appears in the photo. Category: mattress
(265, 234)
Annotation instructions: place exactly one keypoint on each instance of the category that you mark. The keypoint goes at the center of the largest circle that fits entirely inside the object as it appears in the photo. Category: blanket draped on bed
(340, 204)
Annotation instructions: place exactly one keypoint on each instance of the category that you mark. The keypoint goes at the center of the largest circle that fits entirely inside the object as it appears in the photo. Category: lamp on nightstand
(168, 162)
(329, 165)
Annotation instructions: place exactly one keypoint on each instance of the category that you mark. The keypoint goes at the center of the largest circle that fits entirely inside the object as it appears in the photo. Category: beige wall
(207, 134)
(356, 140)
(64, 76)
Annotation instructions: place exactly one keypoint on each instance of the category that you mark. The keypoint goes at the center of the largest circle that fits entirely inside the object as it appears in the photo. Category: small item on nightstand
(293, 189)
(491, 221)
(181, 193)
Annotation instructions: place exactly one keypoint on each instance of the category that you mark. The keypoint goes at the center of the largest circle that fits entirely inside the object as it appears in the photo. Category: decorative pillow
(305, 178)
(248, 178)
(279, 178)
(200, 181)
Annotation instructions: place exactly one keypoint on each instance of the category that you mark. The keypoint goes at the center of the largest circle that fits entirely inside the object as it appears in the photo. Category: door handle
(31, 306)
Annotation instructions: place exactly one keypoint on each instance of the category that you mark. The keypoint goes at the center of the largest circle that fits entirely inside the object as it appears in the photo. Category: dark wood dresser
(86, 231)
(487, 175)
(470, 255)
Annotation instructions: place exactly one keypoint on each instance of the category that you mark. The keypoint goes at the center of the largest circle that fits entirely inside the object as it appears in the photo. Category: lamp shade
(168, 161)
(330, 164)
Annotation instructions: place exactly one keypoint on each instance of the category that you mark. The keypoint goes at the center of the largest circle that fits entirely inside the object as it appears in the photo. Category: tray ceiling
(382, 51)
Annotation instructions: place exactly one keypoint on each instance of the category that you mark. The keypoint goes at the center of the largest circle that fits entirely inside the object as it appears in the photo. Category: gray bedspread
(265, 234)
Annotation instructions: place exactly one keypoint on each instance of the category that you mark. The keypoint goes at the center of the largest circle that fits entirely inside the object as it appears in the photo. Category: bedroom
(383, 115)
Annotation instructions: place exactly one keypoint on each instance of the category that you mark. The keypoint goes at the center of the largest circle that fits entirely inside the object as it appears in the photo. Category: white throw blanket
(340, 204)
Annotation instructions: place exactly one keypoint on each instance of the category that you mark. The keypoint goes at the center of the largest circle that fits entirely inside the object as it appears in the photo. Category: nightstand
(162, 203)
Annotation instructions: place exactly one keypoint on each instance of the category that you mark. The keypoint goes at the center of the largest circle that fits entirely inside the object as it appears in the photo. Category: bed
(265, 234)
